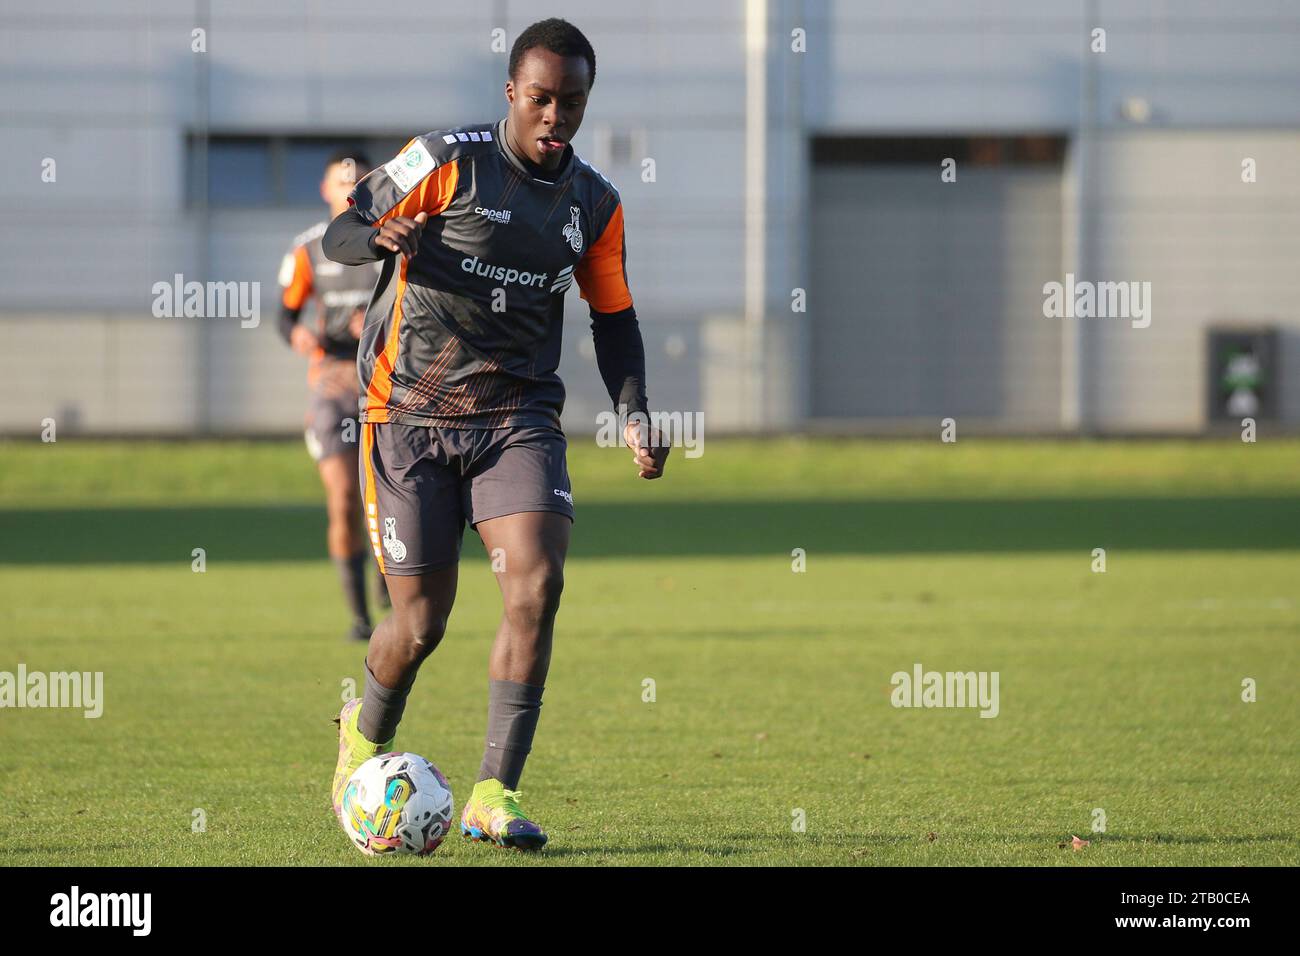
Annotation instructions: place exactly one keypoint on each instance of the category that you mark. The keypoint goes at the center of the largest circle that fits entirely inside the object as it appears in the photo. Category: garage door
(925, 297)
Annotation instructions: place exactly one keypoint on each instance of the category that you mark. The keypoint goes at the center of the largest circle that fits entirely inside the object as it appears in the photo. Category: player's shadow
(693, 528)
(578, 854)
(738, 846)
(1182, 839)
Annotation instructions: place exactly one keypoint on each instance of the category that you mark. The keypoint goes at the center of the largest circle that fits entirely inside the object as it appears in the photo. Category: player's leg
(525, 491)
(531, 546)
(529, 550)
(368, 725)
(414, 520)
(421, 608)
(336, 461)
(347, 547)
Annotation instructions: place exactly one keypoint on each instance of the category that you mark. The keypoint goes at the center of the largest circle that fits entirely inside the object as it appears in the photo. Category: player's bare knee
(534, 597)
(421, 627)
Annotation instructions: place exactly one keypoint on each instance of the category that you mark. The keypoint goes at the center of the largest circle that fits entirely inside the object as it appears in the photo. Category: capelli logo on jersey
(494, 215)
(503, 274)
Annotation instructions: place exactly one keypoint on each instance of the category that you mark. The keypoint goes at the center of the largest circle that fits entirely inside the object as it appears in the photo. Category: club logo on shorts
(573, 231)
(392, 543)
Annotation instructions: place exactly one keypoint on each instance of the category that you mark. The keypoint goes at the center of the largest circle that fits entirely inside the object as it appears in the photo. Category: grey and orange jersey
(467, 332)
(339, 291)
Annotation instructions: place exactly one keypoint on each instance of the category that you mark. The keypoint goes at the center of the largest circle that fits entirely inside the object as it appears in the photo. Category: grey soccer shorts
(331, 425)
(332, 418)
(421, 485)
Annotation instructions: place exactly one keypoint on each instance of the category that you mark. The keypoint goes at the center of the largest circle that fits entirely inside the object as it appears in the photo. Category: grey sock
(352, 572)
(381, 709)
(513, 710)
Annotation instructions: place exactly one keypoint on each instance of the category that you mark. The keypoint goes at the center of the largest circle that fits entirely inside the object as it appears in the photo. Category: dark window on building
(239, 173)
(282, 170)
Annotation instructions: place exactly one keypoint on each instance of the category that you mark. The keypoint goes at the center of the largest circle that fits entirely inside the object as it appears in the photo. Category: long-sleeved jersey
(467, 332)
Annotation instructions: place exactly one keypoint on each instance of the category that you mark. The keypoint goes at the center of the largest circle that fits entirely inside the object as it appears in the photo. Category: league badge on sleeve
(410, 166)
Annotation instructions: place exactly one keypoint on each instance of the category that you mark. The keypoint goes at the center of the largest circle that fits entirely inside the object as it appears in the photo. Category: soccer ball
(397, 803)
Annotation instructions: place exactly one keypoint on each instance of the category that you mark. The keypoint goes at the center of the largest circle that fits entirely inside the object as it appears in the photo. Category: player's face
(548, 96)
(338, 182)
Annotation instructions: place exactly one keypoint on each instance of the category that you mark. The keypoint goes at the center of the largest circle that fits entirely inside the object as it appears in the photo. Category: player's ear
(510, 92)
(324, 185)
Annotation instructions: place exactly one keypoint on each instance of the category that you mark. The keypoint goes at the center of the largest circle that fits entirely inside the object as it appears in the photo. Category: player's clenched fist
(650, 455)
(402, 235)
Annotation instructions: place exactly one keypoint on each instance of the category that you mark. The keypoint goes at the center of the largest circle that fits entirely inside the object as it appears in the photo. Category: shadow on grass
(698, 529)
(596, 852)
(1190, 839)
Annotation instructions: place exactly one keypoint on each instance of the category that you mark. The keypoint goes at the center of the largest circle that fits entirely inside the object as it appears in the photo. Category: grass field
(1119, 691)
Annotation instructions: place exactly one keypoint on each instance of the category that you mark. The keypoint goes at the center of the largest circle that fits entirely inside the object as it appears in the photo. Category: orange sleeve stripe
(600, 273)
(299, 290)
(433, 194)
(380, 388)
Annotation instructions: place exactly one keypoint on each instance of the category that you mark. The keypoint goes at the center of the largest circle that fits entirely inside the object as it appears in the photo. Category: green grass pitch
(1119, 691)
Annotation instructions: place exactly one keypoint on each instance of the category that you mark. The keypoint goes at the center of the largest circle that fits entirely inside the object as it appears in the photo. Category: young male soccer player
(328, 337)
(482, 229)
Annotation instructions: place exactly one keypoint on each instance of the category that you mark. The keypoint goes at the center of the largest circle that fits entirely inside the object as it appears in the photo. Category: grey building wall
(1173, 211)
(926, 295)
(111, 90)
(1165, 202)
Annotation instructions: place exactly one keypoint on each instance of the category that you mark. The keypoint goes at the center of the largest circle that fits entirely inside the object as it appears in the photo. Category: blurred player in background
(328, 336)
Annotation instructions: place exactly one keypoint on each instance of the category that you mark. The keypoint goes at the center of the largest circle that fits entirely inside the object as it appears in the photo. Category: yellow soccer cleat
(493, 816)
(354, 750)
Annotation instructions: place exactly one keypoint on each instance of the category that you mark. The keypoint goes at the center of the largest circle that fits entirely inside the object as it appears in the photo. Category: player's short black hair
(560, 37)
(357, 156)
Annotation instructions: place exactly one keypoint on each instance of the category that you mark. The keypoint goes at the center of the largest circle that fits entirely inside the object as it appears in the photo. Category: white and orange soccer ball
(397, 803)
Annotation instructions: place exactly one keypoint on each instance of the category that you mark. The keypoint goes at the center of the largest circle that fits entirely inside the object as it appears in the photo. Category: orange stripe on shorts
(371, 503)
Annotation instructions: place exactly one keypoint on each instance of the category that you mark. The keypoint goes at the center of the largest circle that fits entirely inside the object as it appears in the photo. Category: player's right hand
(401, 234)
(651, 452)
(303, 340)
